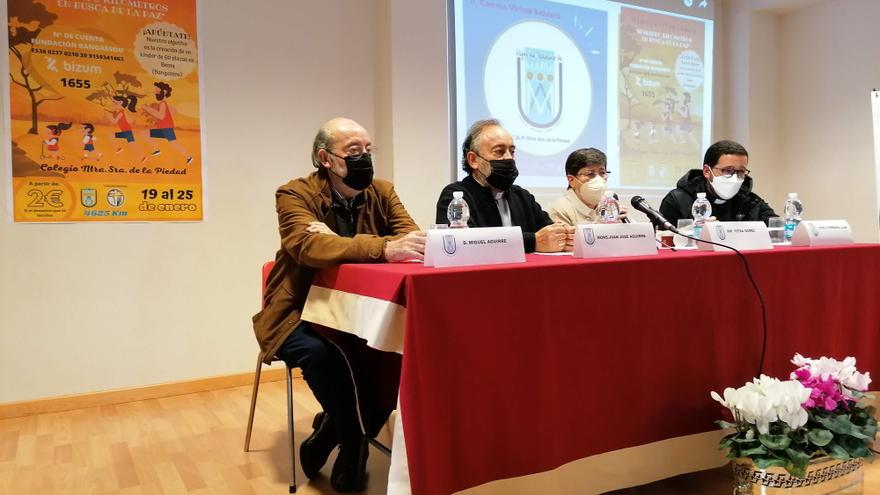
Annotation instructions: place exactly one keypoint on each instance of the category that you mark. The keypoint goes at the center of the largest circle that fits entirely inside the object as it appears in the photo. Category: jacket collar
(471, 183)
(694, 182)
(327, 196)
(578, 205)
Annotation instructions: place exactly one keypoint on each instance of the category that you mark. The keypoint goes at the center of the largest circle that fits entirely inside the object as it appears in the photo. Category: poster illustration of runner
(104, 110)
(661, 94)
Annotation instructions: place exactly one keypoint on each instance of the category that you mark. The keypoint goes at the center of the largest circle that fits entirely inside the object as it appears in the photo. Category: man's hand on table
(554, 238)
(409, 247)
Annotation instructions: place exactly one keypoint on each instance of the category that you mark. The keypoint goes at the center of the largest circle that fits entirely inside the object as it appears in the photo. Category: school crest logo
(539, 87)
(449, 244)
(719, 230)
(88, 197)
(589, 236)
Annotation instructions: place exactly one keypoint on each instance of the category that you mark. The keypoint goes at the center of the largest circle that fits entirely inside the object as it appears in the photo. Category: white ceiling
(782, 6)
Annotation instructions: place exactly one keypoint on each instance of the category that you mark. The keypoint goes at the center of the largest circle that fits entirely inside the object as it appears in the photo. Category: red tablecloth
(516, 369)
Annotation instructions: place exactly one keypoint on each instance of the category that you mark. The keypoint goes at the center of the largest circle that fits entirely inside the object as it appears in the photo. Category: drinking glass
(685, 226)
(776, 228)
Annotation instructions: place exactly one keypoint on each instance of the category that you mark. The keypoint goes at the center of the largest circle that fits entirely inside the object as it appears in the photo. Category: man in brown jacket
(338, 214)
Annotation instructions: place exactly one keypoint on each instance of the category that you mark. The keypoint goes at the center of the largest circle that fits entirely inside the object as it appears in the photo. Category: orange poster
(104, 110)
(664, 64)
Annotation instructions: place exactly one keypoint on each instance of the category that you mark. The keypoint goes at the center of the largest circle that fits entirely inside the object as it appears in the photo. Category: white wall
(750, 91)
(828, 66)
(796, 93)
(420, 105)
(91, 307)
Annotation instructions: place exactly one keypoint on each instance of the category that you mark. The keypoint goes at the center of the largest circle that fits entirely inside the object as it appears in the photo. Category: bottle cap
(458, 194)
(792, 195)
(701, 195)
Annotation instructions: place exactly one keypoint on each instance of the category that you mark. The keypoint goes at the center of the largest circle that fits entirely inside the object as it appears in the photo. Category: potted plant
(810, 433)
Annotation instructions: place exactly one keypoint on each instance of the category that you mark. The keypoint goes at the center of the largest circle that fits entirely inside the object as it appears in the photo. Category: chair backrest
(267, 267)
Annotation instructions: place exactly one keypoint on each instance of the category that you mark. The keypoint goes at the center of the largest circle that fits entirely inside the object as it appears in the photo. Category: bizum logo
(50, 64)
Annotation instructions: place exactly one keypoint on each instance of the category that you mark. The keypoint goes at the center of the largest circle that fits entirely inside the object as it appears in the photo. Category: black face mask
(360, 171)
(503, 174)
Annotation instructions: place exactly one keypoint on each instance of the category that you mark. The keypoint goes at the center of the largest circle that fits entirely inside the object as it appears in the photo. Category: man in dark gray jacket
(725, 180)
(488, 157)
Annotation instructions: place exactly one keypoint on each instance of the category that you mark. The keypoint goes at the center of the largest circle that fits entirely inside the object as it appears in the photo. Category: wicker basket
(824, 476)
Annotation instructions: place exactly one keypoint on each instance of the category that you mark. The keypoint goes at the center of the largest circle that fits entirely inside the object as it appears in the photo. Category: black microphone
(625, 220)
(642, 205)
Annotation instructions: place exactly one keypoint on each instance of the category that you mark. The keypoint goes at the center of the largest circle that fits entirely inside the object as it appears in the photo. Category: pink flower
(832, 383)
(825, 393)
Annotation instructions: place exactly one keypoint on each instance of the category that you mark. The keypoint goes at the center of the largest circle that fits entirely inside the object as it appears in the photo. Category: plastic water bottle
(792, 214)
(458, 211)
(609, 209)
(701, 210)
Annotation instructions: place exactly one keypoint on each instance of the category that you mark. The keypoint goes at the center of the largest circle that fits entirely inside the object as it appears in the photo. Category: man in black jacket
(488, 156)
(725, 180)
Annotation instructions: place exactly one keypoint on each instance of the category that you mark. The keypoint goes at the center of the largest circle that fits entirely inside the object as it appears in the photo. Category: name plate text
(744, 236)
(600, 240)
(474, 246)
(822, 233)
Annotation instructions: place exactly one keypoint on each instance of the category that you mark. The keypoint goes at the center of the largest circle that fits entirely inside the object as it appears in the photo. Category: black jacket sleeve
(540, 219)
(765, 212)
(671, 209)
(443, 204)
(529, 242)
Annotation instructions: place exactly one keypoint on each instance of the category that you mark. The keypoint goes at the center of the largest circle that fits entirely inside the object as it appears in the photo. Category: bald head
(333, 133)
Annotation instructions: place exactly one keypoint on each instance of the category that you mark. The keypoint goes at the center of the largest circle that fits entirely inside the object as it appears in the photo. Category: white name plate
(744, 236)
(822, 233)
(474, 246)
(600, 240)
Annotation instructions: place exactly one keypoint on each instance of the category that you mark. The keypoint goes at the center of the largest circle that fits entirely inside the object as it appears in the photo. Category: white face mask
(591, 192)
(726, 187)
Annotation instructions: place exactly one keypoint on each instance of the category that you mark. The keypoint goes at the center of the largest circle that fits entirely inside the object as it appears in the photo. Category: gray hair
(323, 140)
(472, 140)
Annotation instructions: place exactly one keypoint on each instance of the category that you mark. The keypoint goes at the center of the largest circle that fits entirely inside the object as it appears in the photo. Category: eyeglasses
(354, 152)
(592, 175)
(730, 171)
(497, 153)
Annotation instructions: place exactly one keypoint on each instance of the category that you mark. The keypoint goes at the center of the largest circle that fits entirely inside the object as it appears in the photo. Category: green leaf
(726, 425)
(855, 431)
(837, 424)
(842, 425)
(820, 437)
(860, 450)
(799, 462)
(775, 442)
(743, 440)
(759, 450)
(855, 447)
(798, 456)
(837, 452)
(766, 462)
(796, 470)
